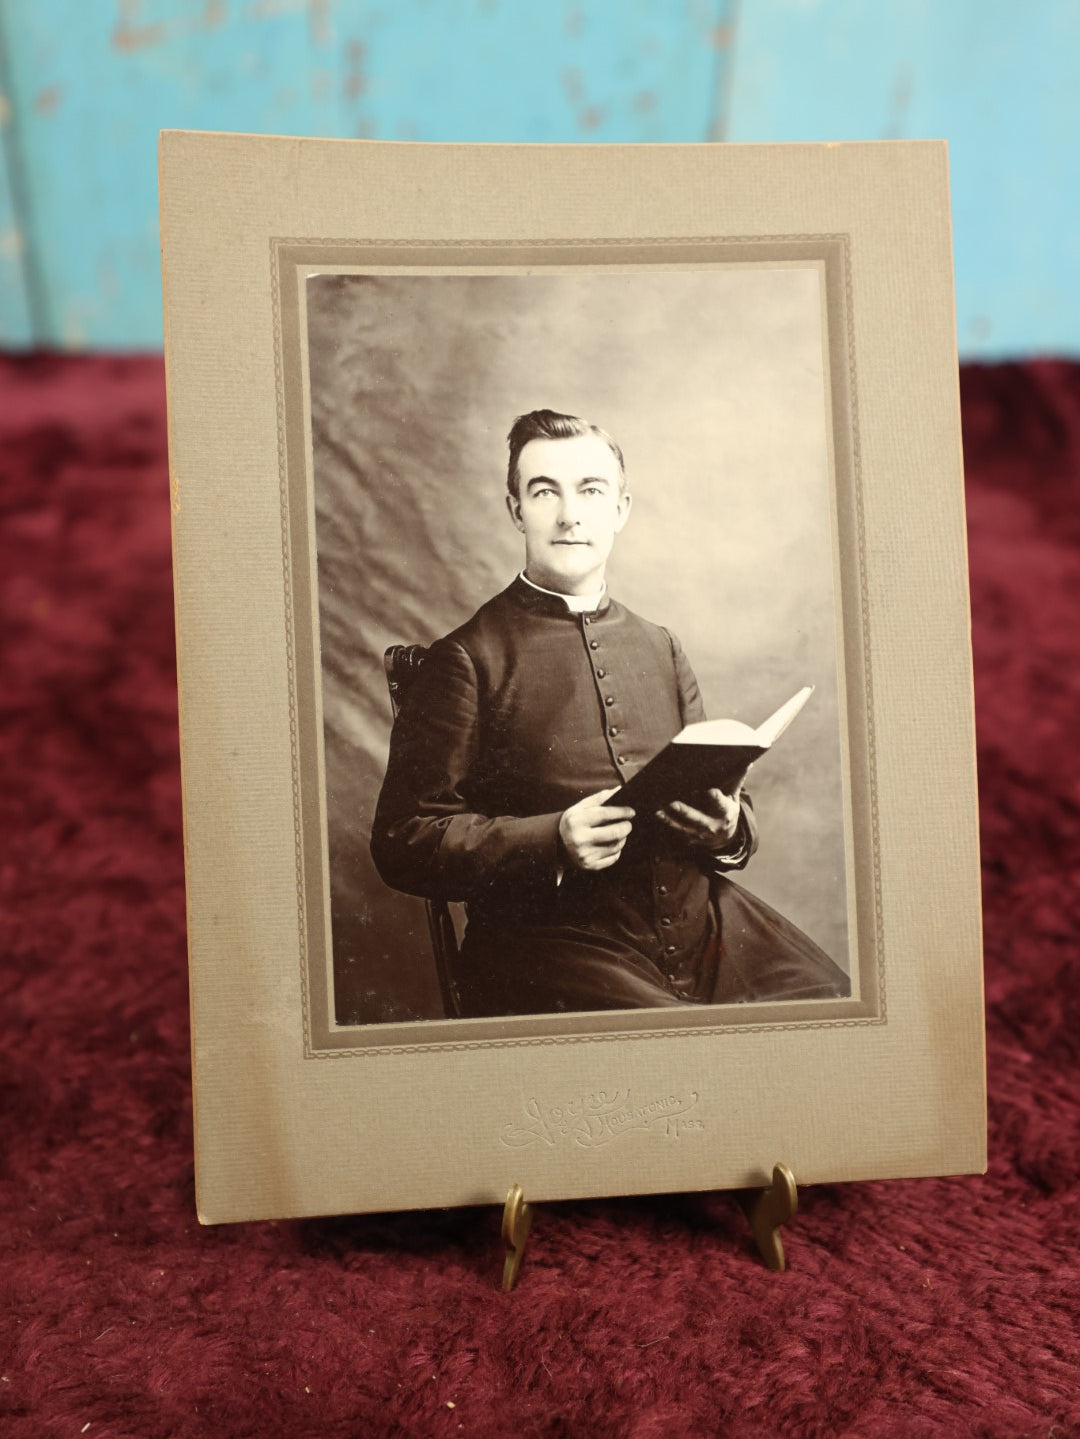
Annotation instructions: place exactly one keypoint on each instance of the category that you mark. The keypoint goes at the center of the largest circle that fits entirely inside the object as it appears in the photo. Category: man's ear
(513, 504)
(624, 510)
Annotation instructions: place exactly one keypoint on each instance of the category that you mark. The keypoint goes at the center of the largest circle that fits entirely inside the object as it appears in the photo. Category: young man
(518, 727)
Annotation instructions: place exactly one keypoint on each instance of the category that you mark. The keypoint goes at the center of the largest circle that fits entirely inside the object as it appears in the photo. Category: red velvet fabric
(911, 1308)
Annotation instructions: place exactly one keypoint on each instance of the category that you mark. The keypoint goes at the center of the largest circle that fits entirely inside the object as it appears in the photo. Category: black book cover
(712, 754)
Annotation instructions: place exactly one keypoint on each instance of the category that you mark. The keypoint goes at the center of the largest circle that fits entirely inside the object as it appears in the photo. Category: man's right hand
(592, 834)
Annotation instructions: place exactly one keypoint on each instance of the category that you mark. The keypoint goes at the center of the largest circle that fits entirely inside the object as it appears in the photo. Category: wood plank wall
(86, 84)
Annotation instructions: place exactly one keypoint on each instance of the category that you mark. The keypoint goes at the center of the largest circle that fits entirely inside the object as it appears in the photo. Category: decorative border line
(399, 242)
(843, 239)
(594, 1036)
(864, 608)
(290, 646)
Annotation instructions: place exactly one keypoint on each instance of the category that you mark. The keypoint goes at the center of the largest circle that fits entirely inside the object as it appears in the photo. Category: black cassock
(515, 716)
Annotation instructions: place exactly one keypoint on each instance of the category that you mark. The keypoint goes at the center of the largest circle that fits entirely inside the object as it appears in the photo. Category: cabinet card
(493, 468)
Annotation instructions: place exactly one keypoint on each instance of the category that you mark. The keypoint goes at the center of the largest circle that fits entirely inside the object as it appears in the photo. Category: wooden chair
(402, 664)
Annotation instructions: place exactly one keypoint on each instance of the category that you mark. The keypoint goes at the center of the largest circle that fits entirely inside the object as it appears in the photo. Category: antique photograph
(576, 566)
(569, 562)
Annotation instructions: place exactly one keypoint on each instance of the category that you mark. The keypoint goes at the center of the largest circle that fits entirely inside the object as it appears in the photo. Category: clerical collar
(576, 604)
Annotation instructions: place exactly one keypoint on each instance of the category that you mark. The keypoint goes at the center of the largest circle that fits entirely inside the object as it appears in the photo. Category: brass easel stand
(766, 1209)
(517, 1221)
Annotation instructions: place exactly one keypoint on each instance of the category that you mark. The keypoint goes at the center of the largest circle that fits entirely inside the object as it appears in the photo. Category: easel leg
(767, 1209)
(516, 1223)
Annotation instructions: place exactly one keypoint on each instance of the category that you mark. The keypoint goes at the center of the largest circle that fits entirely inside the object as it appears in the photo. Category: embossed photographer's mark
(593, 1120)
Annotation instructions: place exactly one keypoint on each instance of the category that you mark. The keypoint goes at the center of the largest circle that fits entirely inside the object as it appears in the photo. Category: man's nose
(568, 515)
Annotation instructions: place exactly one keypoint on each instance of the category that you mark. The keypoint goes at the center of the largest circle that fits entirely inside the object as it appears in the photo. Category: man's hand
(593, 834)
(713, 828)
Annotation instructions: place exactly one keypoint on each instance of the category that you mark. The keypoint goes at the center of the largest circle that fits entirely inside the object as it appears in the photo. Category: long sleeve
(738, 853)
(430, 835)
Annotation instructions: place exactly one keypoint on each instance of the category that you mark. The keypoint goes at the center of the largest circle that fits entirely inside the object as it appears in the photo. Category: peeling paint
(903, 88)
(705, 68)
(131, 36)
(272, 9)
(319, 22)
(573, 85)
(354, 82)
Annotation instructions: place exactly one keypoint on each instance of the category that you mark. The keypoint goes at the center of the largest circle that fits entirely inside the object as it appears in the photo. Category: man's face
(570, 507)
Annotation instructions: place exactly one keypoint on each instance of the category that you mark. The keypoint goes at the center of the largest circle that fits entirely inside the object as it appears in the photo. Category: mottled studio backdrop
(712, 382)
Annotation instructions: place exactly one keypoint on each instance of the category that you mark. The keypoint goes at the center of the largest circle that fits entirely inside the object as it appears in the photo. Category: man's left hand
(712, 828)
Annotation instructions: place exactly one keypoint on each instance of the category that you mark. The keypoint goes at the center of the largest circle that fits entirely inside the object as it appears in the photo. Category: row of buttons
(609, 700)
(665, 920)
(613, 731)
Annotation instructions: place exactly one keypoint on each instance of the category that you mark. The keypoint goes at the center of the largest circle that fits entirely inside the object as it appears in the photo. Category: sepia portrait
(558, 518)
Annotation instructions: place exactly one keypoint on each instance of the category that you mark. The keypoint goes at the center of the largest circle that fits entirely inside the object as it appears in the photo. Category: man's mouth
(571, 542)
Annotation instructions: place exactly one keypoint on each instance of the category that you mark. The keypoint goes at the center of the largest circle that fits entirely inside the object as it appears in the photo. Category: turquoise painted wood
(88, 83)
(16, 326)
(92, 82)
(999, 81)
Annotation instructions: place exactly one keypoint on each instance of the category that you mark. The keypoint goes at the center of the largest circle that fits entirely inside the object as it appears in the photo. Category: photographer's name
(593, 1120)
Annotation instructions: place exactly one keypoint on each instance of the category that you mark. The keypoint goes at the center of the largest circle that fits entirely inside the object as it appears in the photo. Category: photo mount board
(297, 1115)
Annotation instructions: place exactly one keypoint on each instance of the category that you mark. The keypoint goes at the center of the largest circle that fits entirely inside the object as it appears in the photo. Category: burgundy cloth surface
(910, 1308)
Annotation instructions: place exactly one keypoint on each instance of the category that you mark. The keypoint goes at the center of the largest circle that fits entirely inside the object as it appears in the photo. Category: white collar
(576, 604)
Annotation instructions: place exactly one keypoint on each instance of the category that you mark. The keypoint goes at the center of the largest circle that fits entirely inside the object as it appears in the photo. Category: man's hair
(550, 425)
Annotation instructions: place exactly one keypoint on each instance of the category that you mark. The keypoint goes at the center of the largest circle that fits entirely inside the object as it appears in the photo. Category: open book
(712, 754)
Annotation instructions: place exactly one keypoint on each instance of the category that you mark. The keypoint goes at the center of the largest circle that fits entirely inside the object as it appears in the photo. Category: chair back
(402, 664)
